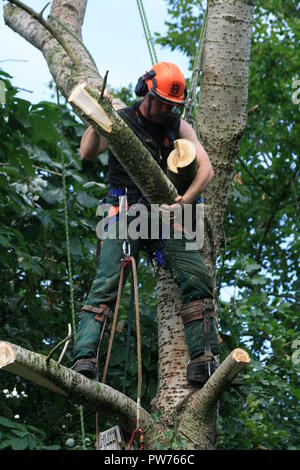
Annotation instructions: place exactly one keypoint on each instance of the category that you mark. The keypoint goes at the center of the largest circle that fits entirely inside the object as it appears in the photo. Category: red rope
(141, 438)
(125, 262)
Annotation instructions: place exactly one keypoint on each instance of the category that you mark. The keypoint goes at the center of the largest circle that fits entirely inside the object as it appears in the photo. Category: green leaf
(19, 444)
(4, 241)
(19, 433)
(86, 200)
(32, 442)
(252, 267)
(7, 423)
(296, 392)
(53, 196)
(258, 280)
(5, 444)
(53, 447)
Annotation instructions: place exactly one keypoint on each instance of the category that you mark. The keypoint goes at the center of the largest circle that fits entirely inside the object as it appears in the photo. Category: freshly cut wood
(124, 144)
(81, 98)
(182, 164)
(27, 366)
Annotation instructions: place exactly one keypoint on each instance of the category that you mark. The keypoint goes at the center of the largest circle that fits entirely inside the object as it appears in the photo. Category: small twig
(47, 171)
(66, 344)
(56, 347)
(24, 89)
(48, 27)
(42, 11)
(253, 109)
(254, 178)
(267, 228)
(103, 86)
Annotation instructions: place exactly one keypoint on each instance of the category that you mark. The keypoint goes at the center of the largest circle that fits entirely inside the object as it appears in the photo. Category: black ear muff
(141, 88)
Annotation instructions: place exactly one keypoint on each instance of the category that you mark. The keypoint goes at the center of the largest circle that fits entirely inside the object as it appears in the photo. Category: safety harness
(201, 309)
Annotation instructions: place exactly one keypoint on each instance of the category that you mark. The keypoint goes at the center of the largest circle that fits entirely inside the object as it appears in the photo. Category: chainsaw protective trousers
(186, 267)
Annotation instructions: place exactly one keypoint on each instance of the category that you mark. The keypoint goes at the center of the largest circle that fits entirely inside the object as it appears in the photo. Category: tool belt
(101, 312)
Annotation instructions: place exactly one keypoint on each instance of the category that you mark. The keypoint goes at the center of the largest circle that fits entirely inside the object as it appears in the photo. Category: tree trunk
(223, 106)
(222, 118)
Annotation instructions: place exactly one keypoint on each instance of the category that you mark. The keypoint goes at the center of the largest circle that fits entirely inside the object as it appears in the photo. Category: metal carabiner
(126, 249)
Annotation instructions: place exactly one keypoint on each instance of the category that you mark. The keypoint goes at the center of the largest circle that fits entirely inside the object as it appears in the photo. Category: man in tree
(156, 124)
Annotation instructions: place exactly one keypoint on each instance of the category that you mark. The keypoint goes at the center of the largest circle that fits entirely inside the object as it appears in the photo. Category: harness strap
(197, 310)
(207, 356)
(102, 312)
(207, 317)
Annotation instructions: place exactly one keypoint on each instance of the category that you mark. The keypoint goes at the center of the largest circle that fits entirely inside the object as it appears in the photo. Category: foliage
(20, 437)
(261, 245)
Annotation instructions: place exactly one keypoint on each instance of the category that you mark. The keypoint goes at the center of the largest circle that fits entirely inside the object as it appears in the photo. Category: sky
(112, 32)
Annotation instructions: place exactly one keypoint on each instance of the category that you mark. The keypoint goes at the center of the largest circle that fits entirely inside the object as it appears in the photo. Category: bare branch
(200, 410)
(48, 27)
(254, 178)
(66, 382)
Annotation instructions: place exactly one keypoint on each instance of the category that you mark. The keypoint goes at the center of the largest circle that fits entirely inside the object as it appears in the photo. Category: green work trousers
(186, 267)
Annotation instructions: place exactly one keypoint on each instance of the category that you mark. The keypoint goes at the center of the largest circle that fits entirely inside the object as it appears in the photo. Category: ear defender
(141, 88)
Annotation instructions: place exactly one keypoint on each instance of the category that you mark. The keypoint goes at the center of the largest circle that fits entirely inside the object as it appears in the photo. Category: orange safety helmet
(166, 81)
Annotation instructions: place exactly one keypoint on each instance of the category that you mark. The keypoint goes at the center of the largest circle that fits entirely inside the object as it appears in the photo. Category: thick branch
(66, 382)
(48, 27)
(134, 157)
(201, 407)
(71, 12)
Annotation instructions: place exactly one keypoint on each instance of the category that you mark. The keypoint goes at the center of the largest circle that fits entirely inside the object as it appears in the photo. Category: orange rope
(126, 261)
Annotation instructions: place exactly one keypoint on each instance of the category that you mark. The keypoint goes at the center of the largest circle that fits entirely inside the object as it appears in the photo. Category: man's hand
(171, 209)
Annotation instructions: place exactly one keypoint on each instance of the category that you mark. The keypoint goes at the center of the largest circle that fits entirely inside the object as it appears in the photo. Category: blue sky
(113, 34)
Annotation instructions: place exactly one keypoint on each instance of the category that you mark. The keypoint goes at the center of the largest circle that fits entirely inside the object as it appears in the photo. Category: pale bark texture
(173, 356)
(191, 412)
(64, 381)
(223, 105)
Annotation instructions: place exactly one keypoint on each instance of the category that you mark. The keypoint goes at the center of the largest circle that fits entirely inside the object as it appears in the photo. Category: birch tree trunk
(223, 106)
(222, 118)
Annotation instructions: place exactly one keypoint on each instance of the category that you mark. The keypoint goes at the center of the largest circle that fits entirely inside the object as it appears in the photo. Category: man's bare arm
(205, 171)
(91, 145)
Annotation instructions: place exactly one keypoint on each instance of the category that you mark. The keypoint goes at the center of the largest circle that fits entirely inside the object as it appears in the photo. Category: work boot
(86, 366)
(200, 369)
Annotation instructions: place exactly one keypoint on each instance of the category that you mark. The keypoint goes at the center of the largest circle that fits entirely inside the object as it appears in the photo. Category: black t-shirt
(158, 138)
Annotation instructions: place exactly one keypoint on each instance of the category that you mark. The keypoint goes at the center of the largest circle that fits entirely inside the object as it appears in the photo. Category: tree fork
(201, 410)
(198, 409)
